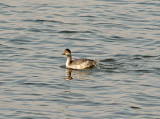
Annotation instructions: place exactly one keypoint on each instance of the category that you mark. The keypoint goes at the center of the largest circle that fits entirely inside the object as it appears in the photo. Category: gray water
(123, 35)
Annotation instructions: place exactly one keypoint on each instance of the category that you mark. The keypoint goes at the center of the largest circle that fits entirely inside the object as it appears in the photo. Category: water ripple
(122, 35)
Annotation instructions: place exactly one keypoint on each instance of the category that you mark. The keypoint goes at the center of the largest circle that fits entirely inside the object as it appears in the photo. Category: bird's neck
(69, 60)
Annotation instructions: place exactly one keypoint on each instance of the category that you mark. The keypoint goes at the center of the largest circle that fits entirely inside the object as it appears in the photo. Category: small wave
(5, 5)
(67, 31)
(70, 31)
(135, 107)
(36, 84)
(87, 16)
(51, 21)
(20, 41)
(142, 71)
(41, 20)
(108, 60)
(78, 39)
(144, 56)
(34, 30)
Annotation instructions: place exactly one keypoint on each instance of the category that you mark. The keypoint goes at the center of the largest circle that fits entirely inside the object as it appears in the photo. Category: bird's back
(82, 63)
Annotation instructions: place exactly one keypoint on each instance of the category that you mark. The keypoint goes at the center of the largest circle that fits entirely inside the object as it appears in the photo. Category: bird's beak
(63, 54)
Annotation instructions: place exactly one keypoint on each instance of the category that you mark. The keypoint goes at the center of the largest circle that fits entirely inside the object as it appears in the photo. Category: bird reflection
(68, 74)
(77, 74)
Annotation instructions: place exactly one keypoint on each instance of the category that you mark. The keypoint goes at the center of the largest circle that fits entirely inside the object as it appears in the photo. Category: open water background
(123, 35)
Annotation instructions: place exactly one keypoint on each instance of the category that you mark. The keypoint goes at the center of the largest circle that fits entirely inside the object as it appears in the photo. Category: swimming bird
(79, 63)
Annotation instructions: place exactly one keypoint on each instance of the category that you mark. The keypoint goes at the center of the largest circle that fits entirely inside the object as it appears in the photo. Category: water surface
(122, 35)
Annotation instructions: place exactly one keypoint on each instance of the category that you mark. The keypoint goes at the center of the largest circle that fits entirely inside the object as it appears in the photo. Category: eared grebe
(79, 63)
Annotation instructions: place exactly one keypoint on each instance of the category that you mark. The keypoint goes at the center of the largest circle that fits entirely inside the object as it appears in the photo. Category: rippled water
(124, 36)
